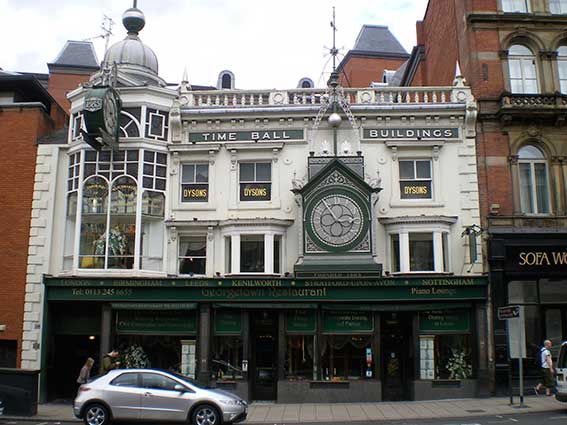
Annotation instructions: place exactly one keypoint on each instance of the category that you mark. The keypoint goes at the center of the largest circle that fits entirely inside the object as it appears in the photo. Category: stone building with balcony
(288, 245)
(513, 54)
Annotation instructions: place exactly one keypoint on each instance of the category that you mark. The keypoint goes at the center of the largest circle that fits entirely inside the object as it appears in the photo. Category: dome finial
(133, 19)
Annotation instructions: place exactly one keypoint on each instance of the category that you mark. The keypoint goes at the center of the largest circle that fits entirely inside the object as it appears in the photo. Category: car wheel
(96, 414)
(205, 414)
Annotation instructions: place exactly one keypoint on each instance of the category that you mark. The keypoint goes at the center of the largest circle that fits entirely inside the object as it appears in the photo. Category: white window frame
(415, 153)
(254, 152)
(270, 233)
(439, 231)
(558, 7)
(192, 236)
(516, 6)
(181, 182)
(522, 61)
(416, 178)
(533, 186)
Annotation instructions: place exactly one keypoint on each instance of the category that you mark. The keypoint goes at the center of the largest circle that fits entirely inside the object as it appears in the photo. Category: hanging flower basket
(117, 243)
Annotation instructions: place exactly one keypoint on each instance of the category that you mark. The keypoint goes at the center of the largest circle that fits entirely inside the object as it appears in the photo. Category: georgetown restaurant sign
(246, 136)
(419, 133)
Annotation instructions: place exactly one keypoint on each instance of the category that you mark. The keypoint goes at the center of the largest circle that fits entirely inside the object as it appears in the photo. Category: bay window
(121, 221)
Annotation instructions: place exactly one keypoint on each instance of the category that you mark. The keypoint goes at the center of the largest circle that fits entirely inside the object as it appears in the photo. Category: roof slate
(377, 39)
(77, 53)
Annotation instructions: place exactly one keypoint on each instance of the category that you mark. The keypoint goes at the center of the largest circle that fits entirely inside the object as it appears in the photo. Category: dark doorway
(396, 356)
(67, 357)
(264, 329)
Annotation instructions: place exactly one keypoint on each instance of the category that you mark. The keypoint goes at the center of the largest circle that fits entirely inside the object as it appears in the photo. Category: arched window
(562, 68)
(534, 187)
(522, 66)
(226, 81)
(558, 7)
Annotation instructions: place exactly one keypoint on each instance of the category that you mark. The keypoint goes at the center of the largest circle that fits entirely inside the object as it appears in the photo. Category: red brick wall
(60, 84)
(20, 130)
(361, 71)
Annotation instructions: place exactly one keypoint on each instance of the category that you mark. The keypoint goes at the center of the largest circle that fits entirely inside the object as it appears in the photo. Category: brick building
(514, 56)
(375, 51)
(32, 110)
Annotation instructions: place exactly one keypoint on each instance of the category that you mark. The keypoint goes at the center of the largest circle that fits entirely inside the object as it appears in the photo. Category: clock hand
(330, 210)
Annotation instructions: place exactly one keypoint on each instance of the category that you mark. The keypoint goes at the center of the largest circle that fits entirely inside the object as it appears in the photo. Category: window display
(299, 357)
(344, 356)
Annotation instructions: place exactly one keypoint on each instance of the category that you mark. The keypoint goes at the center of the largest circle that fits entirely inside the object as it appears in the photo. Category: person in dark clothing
(109, 362)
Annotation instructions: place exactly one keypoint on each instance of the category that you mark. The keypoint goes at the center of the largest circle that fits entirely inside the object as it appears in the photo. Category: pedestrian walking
(85, 372)
(109, 362)
(546, 368)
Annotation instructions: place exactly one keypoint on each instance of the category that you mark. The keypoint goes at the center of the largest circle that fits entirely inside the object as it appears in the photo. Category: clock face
(337, 220)
(110, 112)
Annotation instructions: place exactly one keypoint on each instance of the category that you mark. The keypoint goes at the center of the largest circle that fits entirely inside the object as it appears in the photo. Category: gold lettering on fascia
(433, 291)
(543, 258)
(255, 191)
(233, 293)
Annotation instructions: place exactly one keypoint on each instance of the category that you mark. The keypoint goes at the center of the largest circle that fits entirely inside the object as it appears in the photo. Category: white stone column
(438, 259)
(404, 253)
(235, 253)
(269, 253)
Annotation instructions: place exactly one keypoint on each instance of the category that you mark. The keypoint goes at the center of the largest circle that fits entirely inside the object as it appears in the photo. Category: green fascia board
(154, 306)
(263, 306)
(122, 287)
(395, 307)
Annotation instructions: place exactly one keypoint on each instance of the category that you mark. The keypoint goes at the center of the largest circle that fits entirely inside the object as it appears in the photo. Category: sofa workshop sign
(410, 133)
(536, 258)
(246, 136)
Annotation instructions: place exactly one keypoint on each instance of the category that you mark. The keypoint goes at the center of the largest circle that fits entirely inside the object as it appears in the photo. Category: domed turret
(131, 55)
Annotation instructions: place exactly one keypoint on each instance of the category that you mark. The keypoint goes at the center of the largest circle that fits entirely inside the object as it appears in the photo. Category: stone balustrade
(364, 96)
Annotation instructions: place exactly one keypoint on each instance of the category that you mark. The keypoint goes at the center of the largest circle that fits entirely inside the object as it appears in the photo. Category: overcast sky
(265, 43)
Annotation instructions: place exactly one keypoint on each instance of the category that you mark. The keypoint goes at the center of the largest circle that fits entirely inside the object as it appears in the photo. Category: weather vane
(336, 99)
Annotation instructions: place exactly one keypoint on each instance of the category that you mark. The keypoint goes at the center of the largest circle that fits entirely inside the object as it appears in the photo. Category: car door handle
(147, 394)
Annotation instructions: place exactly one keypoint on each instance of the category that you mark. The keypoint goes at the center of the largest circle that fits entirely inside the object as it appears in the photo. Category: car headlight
(230, 402)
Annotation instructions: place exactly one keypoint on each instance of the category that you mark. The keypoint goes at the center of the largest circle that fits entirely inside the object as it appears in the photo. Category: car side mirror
(180, 388)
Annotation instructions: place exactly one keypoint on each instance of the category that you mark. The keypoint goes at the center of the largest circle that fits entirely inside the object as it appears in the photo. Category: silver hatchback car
(154, 395)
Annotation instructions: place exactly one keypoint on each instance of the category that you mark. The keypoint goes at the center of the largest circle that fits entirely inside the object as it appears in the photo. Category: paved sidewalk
(341, 412)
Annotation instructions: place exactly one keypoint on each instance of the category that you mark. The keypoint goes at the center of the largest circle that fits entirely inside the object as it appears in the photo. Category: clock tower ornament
(336, 204)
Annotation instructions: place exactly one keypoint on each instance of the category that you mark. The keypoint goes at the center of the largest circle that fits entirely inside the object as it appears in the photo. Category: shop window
(522, 292)
(445, 357)
(299, 357)
(522, 68)
(255, 181)
(252, 254)
(227, 357)
(562, 68)
(193, 255)
(344, 356)
(558, 7)
(521, 6)
(195, 183)
(534, 185)
(415, 179)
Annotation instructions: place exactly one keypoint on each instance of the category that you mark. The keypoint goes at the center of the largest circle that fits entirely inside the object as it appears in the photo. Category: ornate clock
(337, 221)
(101, 112)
